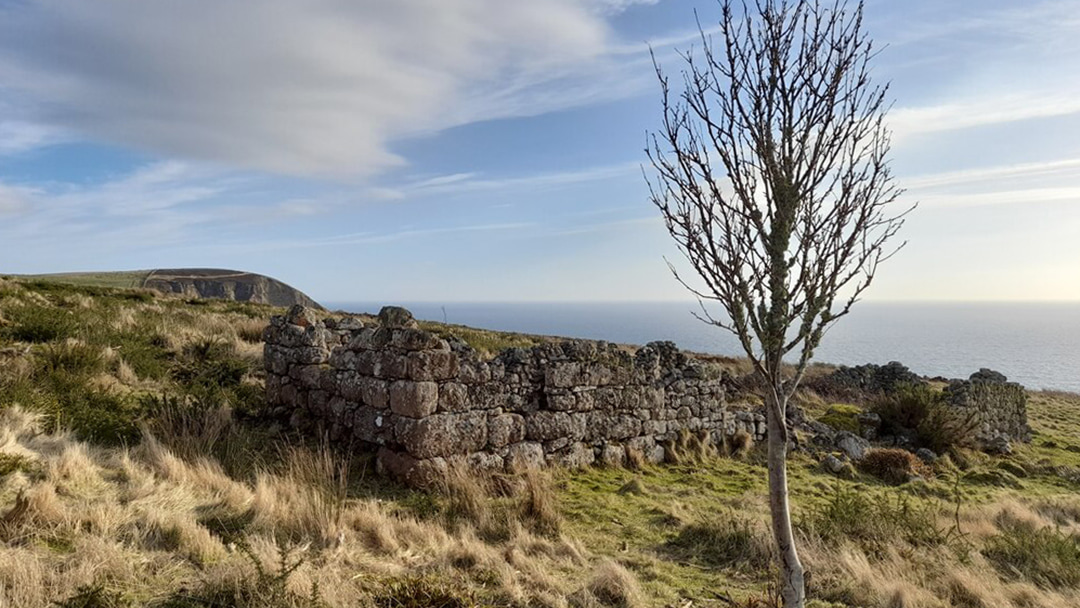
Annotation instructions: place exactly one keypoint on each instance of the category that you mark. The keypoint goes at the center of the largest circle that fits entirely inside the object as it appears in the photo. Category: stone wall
(999, 405)
(424, 401)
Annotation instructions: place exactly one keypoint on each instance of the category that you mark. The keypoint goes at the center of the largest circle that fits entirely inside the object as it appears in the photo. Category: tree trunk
(792, 587)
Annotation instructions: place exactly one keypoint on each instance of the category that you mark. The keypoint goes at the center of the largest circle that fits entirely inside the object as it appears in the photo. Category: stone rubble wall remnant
(423, 402)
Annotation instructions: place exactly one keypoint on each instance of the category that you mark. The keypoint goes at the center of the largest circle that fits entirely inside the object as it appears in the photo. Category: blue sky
(489, 150)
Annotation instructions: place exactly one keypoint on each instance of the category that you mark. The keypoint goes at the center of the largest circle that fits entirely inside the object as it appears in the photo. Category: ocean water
(1036, 344)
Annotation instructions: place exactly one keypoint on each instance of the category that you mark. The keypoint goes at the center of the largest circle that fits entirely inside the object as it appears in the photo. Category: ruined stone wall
(424, 401)
(1000, 405)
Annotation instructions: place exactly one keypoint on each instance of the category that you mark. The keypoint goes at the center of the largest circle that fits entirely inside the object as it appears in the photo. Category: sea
(1035, 344)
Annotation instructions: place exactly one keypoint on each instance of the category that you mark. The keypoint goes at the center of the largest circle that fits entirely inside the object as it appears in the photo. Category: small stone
(926, 455)
(833, 464)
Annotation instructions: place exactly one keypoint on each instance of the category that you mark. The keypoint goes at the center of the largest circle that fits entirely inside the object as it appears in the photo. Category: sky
(490, 150)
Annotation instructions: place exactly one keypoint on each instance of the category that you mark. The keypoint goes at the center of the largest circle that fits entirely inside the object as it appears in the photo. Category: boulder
(396, 317)
(853, 446)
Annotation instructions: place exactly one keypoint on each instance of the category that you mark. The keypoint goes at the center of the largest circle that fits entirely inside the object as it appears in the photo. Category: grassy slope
(161, 530)
(116, 280)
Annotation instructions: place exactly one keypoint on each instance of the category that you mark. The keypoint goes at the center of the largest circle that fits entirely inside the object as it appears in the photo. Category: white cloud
(318, 87)
(988, 110)
(460, 183)
(1027, 183)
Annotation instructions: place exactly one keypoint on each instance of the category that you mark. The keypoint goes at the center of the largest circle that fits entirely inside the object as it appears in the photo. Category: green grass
(685, 531)
(115, 280)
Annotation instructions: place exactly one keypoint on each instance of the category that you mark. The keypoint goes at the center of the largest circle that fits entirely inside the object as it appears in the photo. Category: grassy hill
(138, 469)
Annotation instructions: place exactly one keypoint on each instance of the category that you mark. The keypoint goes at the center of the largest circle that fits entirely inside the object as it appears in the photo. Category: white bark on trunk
(792, 583)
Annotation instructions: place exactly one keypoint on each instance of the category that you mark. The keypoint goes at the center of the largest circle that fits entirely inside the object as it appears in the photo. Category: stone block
(415, 472)
(415, 339)
(576, 456)
(432, 365)
(524, 455)
(613, 455)
(375, 392)
(453, 397)
(392, 365)
(545, 426)
(505, 429)
(443, 434)
(414, 399)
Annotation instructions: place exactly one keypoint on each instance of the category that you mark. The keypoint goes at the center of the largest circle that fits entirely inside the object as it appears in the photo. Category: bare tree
(772, 176)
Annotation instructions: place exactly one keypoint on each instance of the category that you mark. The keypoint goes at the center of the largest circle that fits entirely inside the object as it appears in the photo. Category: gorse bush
(260, 587)
(1046, 556)
(39, 324)
(920, 408)
(906, 407)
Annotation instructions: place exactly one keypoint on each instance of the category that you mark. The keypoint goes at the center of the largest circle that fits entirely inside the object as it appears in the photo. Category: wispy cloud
(1027, 183)
(990, 110)
(462, 183)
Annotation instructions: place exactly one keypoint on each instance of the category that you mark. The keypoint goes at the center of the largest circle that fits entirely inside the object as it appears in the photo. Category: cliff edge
(226, 285)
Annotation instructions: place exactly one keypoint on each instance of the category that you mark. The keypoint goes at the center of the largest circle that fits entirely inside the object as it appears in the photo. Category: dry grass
(149, 523)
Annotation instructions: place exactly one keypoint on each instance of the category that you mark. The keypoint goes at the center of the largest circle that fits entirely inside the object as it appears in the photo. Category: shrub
(926, 411)
(874, 521)
(263, 588)
(1046, 556)
(39, 324)
(906, 407)
(723, 541)
(893, 465)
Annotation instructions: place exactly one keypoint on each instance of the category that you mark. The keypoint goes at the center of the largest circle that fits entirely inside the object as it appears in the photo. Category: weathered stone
(415, 339)
(527, 454)
(576, 456)
(432, 365)
(442, 434)
(544, 426)
(926, 455)
(375, 392)
(396, 317)
(613, 455)
(453, 397)
(415, 472)
(392, 366)
(852, 445)
(414, 399)
(505, 429)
